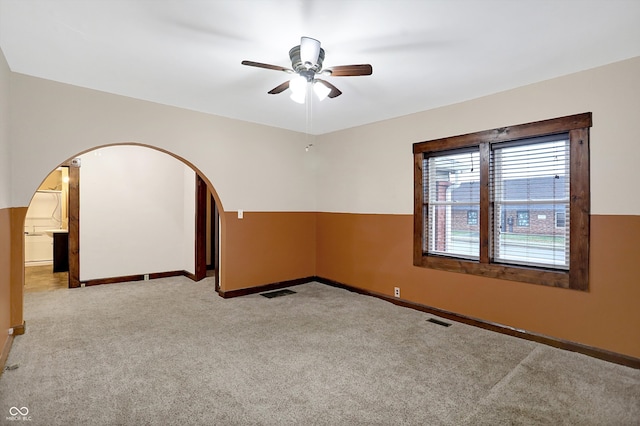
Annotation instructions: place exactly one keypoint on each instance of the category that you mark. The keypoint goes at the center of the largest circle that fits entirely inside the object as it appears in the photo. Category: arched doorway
(119, 167)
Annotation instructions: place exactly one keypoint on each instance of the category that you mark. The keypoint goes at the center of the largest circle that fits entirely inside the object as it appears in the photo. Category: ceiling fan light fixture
(321, 90)
(298, 97)
(309, 51)
(298, 84)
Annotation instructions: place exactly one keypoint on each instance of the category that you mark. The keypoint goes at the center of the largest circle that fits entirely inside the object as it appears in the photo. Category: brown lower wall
(11, 274)
(5, 282)
(267, 247)
(17, 215)
(374, 253)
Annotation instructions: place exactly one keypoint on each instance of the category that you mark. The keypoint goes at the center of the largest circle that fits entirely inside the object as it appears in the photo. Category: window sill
(503, 272)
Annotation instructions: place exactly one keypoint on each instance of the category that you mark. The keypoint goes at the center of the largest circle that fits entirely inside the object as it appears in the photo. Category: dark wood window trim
(577, 126)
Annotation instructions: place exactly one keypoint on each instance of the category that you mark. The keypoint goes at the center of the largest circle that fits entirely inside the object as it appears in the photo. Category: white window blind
(452, 190)
(529, 192)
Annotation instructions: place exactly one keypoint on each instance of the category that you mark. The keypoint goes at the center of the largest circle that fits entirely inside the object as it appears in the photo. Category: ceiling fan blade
(267, 66)
(335, 92)
(279, 89)
(350, 70)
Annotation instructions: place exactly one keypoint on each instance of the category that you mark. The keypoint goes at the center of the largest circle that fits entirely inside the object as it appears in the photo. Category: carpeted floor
(171, 351)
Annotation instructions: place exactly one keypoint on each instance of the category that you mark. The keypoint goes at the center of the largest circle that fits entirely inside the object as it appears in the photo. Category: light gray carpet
(171, 351)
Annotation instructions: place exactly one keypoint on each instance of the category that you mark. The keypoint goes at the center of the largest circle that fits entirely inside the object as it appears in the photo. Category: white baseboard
(38, 263)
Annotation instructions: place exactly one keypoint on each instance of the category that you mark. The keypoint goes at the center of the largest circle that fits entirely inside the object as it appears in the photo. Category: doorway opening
(46, 230)
(212, 233)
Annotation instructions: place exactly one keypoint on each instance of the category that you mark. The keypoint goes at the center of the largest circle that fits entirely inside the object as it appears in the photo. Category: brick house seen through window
(541, 220)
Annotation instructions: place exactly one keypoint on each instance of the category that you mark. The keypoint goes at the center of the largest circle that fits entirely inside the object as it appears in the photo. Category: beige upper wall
(252, 167)
(369, 169)
(5, 164)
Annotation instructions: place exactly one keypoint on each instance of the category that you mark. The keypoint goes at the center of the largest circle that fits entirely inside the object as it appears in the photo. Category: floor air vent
(277, 293)
(442, 323)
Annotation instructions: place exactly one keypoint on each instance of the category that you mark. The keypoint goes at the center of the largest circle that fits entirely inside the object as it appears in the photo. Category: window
(523, 218)
(530, 178)
(453, 186)
(505, 183)
(472, 217)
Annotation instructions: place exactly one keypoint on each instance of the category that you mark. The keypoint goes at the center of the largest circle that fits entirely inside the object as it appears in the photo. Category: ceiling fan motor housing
(297, 64)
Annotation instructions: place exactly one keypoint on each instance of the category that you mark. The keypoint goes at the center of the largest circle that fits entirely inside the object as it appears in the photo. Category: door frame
(73, 213)
(202, 212)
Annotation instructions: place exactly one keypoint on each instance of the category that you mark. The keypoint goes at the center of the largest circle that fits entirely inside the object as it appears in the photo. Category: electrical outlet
(146, 277)
(396, 291)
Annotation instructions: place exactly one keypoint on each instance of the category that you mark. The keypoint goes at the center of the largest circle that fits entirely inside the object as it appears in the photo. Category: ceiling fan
(306, 63)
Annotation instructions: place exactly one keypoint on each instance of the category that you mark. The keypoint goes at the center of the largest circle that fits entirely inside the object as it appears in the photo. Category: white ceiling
(425, 53)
